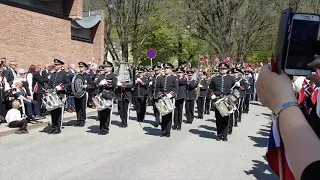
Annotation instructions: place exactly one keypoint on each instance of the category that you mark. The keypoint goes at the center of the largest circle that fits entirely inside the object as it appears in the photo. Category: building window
(81, 34)
(54, 6)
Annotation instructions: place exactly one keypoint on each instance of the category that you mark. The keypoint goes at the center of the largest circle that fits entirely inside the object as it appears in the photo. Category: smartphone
(303, 36)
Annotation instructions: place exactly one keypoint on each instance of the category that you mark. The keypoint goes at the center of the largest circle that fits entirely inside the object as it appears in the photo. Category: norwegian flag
(314, 94)
(306, 91)
(274, 152)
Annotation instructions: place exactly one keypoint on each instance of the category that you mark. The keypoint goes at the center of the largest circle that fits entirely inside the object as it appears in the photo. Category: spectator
(70, 98)
(15, 120)
(32, 107)
(11, 73)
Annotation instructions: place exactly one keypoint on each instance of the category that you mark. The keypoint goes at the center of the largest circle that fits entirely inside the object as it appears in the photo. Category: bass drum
(77, 85)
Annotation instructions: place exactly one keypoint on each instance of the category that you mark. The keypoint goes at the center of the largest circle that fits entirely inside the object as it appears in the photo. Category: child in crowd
(15, 120)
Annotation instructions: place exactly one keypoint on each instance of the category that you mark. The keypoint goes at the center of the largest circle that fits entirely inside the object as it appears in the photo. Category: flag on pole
(276, 155)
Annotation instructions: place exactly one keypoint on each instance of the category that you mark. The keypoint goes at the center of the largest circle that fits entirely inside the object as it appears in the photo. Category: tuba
(124, 73)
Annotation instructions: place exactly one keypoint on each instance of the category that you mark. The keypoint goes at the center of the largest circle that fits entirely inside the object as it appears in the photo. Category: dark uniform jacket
(250, 86)
(182, 88)
(108, 90)
(242, 88)
(125, 91)
(204, 88)
(166, 85)
(221, 85)
(41, 81)
(141, 89)
(59, 79)
(155, 80)
(191, 90)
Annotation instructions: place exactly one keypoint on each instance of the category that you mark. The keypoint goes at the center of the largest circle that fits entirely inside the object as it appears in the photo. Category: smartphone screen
(301, 51)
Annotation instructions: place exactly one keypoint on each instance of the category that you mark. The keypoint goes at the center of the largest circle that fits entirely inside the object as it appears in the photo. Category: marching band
(171, 92)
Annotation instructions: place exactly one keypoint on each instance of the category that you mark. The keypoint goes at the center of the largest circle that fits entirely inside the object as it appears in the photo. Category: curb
(40, 125)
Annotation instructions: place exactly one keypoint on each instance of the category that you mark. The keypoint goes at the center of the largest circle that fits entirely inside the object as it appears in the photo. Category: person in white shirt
(15, 120)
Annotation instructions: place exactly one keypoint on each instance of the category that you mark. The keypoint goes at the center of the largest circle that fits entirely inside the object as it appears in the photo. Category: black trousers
(90, 97)
(104, 117)
(3, 109)
(222, 124)
(81, 106)
(141, 108)
(156, 112)
(190, 110)
(207, 105)
(178, 113)
(246, 103)
(56, 118)
(238, 113)
(123, 106)
(166, 124)
(200, 106)
(20, 124)
(232, 121)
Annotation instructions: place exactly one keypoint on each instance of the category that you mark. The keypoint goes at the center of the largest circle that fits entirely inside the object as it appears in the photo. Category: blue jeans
(70, 102)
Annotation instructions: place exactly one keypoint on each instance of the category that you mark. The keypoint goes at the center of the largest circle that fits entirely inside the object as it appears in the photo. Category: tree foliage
(184, 30)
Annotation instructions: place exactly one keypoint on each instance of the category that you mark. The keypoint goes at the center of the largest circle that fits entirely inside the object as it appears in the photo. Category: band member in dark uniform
(178, 111)
(249, 91)
(203, 85)
(141, 92)
(81, 103)
(157, 77)
(124, 96)
(207, 104)
(220, 86)
(191, 97)
(166, 86)
(242, 94)
(107, 85)
(59, 81)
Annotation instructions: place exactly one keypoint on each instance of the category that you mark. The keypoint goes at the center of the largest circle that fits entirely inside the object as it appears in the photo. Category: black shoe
(57, 131)
(51, 131)
(179, 128)
(218, 138)
(25, 131)
(174, 127)
(225, 139)
(78, 124)
(103, 132)
(236, 125)
(18, 132)
(167, 135)
(163, 135)
(156, 125)
(230, 132)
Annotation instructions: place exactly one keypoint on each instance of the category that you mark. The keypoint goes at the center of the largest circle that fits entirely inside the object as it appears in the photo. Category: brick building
(37, 31)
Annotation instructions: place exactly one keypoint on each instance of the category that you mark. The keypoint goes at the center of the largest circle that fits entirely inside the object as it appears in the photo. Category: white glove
(213, 97)
(200, 86)
(103, 82)
(85, 86)
(237, 84)
(58, 88)
(119, 83)
(150, 83)
(169, 95)
(138, 80)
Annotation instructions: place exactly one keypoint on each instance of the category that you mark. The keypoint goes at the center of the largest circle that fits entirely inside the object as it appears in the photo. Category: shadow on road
(116, 123)
(209, 128)
(260, 141)
(261, 171)
(257, 104)
(46, 129)
(211, 120)
(95, 129)
(69, 123)
(152, 131)
(203, 134)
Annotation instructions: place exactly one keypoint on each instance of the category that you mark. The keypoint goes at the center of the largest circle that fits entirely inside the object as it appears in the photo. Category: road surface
(139, 153)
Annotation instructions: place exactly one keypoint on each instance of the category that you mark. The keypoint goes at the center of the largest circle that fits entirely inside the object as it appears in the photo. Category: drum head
(77, 85)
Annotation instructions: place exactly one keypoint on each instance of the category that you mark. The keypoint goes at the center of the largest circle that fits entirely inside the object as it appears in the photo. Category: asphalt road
(139, 153)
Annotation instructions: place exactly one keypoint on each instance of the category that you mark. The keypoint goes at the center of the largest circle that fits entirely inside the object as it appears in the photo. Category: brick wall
(32, 38)
(75, 8)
